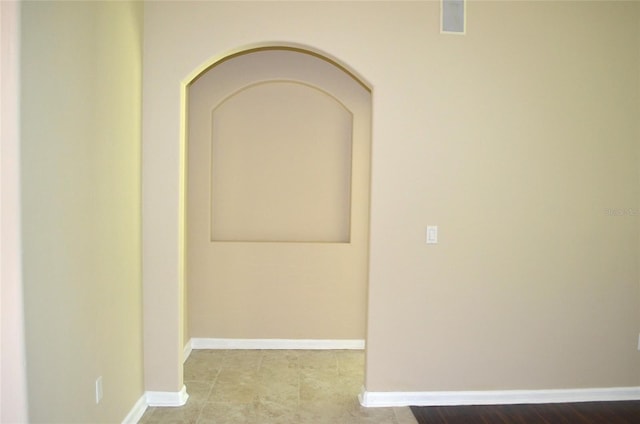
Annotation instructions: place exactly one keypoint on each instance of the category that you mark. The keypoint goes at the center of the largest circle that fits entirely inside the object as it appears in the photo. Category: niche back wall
(278, 177)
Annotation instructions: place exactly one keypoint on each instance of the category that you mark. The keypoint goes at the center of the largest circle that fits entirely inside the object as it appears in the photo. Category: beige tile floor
(275, 386)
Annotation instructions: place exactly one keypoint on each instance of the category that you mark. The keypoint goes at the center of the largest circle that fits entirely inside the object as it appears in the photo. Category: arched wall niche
(305, 287)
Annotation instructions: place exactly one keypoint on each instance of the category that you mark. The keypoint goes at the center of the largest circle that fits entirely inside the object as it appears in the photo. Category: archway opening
(276, 202)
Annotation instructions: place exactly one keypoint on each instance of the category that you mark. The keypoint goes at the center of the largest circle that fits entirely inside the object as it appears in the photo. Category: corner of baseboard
(137, 411)
(362, 396)
(167, 398)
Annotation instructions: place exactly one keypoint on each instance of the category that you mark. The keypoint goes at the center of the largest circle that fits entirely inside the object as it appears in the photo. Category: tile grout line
(206, 401)
(299, 372)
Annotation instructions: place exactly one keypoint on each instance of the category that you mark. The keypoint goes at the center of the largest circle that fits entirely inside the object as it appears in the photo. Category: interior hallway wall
(518, 139)
(80, 123)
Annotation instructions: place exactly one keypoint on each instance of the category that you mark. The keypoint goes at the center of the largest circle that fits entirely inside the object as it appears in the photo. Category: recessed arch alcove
(276, 197)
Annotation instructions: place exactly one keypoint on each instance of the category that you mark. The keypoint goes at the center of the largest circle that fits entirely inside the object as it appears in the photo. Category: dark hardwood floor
(627, 412)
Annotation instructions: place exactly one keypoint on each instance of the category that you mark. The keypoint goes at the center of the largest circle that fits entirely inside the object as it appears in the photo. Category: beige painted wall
(263, 263)
(80, 123)
(515, 139)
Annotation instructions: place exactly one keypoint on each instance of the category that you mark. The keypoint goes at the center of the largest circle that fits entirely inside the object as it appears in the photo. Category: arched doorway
(277, 195)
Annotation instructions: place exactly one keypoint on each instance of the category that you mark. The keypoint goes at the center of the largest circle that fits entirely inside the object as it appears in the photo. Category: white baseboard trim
(167, 398)
(137, 411)
(496, 397)
(316, 344)
(186, 352)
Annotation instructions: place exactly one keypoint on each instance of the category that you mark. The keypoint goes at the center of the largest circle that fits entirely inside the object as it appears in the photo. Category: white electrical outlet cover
(99, 389)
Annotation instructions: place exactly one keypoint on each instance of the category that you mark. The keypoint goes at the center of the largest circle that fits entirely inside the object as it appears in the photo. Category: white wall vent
(452, 16)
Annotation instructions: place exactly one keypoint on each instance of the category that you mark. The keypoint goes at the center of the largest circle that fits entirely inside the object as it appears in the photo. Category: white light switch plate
(432, 234)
